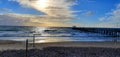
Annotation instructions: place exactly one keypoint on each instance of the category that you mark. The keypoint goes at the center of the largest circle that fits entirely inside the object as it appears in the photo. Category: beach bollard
(26, 48)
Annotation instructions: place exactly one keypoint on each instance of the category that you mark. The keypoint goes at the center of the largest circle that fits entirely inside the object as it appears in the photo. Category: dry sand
(12, 45)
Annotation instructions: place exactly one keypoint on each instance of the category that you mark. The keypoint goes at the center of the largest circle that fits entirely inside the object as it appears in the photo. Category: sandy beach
(60, 49)
(12, 45)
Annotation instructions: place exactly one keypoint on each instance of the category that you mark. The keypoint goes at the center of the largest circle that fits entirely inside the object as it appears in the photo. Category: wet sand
(14, 45)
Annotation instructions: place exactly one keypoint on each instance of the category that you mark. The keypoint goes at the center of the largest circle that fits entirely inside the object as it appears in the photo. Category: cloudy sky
(102, 13)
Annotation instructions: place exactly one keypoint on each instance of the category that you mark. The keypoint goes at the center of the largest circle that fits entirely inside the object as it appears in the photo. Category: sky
(92, 13)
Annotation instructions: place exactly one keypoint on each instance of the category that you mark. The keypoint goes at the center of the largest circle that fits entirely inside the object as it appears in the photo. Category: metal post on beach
(26, 47)
(33, 40)
(34, 36)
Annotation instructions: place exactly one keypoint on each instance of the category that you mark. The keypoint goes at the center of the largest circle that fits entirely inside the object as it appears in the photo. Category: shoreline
(14, 45)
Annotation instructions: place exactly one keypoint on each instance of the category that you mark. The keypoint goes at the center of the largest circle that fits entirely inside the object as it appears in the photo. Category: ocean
(50, 34)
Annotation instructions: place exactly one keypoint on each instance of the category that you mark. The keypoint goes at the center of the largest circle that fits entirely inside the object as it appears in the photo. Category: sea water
(50, 34)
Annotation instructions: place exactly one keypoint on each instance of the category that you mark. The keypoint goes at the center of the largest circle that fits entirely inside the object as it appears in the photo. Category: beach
(60, 49)
(12, 45)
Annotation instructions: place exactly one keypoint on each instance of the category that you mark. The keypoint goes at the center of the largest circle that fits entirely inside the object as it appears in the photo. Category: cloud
(89, 13)
(112, 18)
(101, 19)
(55, 8)
(9, 20)
(57, 12)
(30, 20)
(91, 1)
(5, 10)
(113, 15)
(118, 6)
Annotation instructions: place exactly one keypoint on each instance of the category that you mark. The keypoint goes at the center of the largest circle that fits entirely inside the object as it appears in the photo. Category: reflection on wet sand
(47, 40)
